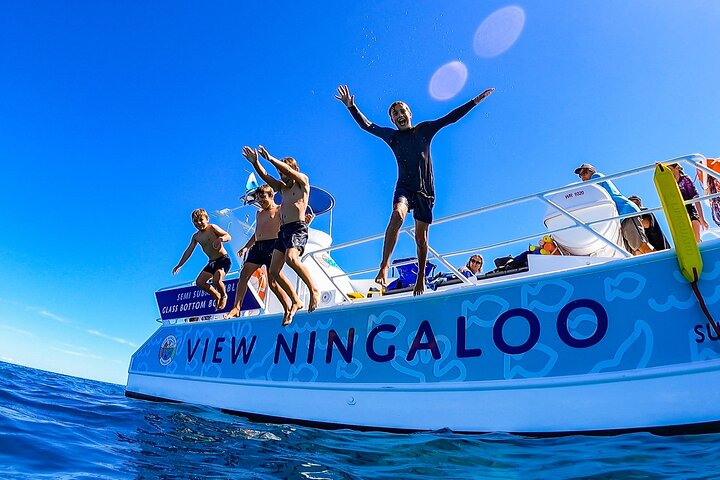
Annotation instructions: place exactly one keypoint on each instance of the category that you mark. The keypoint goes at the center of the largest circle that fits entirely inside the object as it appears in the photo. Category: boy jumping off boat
(295, 190)
(211, 239)
(261, 246)
(415, 187)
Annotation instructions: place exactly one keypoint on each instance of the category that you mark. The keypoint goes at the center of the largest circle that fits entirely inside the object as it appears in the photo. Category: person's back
(623, 204)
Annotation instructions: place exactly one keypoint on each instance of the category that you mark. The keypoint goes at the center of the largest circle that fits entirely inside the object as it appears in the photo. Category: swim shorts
(421, 205)
(223, 263)
(261, 252)
(692, 212)
(292, 235)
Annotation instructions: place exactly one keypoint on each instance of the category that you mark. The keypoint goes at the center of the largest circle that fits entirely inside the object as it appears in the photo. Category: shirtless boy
(415, 187)
(261, 246)
(295, 189)
(211, 238)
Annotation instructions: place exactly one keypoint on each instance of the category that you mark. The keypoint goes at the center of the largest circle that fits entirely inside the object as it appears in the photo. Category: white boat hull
(607, 347)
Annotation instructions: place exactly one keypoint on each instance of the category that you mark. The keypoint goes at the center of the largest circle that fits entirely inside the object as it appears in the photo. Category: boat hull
(610, 347)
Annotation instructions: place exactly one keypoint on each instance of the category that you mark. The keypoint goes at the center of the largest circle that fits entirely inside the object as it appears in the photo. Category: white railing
(693, 160)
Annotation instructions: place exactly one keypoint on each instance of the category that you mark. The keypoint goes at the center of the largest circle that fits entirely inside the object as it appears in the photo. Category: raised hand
(263, 152)
(251, 154)
(483, 95)
(344, 96)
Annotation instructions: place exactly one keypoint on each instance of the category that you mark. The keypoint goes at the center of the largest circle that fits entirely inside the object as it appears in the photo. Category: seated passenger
(652, 229)
(632, 230)
(473, 267)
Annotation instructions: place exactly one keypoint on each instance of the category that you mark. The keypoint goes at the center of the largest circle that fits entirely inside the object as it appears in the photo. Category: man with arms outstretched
(415, 187)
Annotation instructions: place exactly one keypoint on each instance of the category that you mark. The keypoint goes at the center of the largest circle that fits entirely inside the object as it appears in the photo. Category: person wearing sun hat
(631, 227)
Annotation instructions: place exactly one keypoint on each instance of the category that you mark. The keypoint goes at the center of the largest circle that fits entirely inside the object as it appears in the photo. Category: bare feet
(222, 302)
(235, 312)
(381, 277)
(419, 288)
(217, 300)
(290, 314)
(314, 295)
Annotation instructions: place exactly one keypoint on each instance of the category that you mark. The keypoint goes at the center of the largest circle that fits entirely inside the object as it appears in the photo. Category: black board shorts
(292, 235)
(223, 263)
(421, 205)
(261, 252)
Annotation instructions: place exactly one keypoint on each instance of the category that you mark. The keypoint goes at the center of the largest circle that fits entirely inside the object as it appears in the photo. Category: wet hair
(199, 213)
(291, 162)
(265, 188)
(398, 102)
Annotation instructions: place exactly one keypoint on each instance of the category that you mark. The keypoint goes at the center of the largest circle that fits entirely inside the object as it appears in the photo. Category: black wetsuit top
(412, 147)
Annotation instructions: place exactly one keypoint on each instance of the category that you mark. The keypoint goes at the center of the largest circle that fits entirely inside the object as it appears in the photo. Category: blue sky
(120, 118)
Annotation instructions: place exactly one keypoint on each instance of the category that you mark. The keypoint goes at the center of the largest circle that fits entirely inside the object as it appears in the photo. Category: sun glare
(499, 31)
(448, 80)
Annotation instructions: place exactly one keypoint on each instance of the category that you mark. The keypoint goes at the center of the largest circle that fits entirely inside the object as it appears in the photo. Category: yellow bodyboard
(686, 248)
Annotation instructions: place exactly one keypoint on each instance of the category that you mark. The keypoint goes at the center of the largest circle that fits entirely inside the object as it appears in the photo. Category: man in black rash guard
(415, 187)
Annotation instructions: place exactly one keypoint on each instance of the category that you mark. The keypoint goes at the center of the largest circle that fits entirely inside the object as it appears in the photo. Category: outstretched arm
(483, 95)
(283, 168)
(349, 101)
(248, 245)
(252, 156)
(459, 112)
(345, 97)
(186, 254)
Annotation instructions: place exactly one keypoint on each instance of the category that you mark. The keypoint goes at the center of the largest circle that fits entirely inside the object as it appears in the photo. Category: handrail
(692, 159)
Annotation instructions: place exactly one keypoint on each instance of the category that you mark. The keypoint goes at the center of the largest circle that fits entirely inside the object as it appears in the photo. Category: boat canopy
(320, 200)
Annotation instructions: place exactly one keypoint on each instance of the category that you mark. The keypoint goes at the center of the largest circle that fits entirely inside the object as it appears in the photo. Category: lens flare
(448, 80)
(499, 31)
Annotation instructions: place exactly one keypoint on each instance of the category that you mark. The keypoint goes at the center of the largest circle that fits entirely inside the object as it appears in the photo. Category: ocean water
(54, 426)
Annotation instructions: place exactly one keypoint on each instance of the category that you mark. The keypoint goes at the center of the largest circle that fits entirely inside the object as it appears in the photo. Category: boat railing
(444, 258)
(692, 160)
